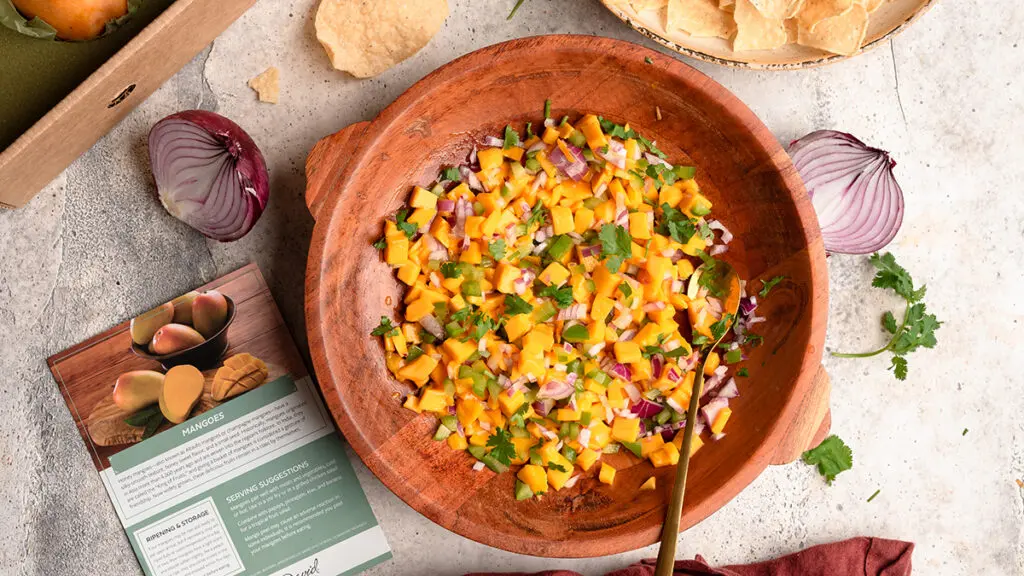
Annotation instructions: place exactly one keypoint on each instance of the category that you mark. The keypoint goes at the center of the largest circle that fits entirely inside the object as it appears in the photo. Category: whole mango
(209, 312)
(183, 308)
(144, 326)
(174, 338)
(137, 389)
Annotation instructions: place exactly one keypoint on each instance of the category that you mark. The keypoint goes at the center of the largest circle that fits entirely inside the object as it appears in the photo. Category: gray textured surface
(947, 98)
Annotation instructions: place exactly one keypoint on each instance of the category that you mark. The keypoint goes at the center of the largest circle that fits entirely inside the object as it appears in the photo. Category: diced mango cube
(433, 400)
(720, 419)
(457, 442)
(586, 458)
(517, 325)
(418, 309)
(457, 351)
(625, 429)
(409, 271)
(535, 477)
(627, 352)
(650, 445)
(648, 485)
(554, 275)
(591, 129)
(505, 275)
(422, 216)
(540, 339)
(562, 220)
(396, 250)
(639, 227)
(668, 455)
(601, 307)
(423, 198)
(468, 410)
(605, 281)
(607, 474)
(490, 158)
(600, 436)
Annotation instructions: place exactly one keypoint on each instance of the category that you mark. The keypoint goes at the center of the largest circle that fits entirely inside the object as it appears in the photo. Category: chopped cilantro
(718, 329)
(497, 249)
(767, 285)
(965, 432)
(537, 216)
(547, 103)
(831, 457)
(648, 60)
(482, 324)
(511, 138)
(516, 305)
(556, 466)
(461, 314)
(529, 130)
(754, 340)
(700, 340)
(676, 224)
(742, 373)
(616, 245)
(414, 353)
(451, 269)
(875, 495)
(450, 174)
(625, 289)
(502, 448)
(918, 327)
(676, 352)
(385, 328)
(380, 244)
(408, 227)
(562, 296)
(519, 417)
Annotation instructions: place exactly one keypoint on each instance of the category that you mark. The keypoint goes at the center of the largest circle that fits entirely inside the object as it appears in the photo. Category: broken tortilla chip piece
(754, 31)
(794, 8)
(843, 34)
(699, 18)
(267, 85)
(640, 5)
(772, 9)
(814, 11)
(367, 38)
(872, 5)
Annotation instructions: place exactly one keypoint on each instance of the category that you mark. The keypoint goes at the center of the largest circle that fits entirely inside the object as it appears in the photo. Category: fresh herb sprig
(917, 328)
(831, 457)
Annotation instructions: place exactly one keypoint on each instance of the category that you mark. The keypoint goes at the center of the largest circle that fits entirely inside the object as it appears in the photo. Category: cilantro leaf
(889, 323)
(556, 466)
(718, 329)
(893, 276)
(676, 352)
(649, 351)
(381, 243)
(562, 296)
(538, 216)
(408, 227)
(625, 289)
(502, 448)
(451, 269)
(516, 305)
(676, 224)
(767, 285)
(482, 324)
(511, 138)
(497, 249)
(450, 174)
(742, 373)
(700, 340)
(519, 417)
(754, 340)
(414, 353)
(616, 245)
(918, 330)
(385, 328)
(899, 367)
(831, 457)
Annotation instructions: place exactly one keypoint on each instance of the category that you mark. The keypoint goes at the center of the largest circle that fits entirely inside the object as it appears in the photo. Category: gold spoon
(720, 278)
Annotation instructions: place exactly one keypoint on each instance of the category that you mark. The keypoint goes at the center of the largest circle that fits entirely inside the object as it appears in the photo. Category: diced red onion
(852, 188)
(716, 225)
(537, 147)
(717, 437)
(657, 363)
(654, 306)
(622, 218)
(540, 180)
(478, 466)
(430, 324)
(652, 159)
(573, 312)
(715, 307)
(622, 371)
(616, 154)
(623, 320)
(674, 375)
(473, 156)
(549, 122)
(574, 167)
(209, 173)
(446, 205)
(584, 437)
(493, 142)
(712, 408)
(543, 407)
(634, 392)
(590, 251)
(748, 305)
(627, 336)
(718, 249)
(470, 177)
(755, 320)
(729, 390)
(646, 409)
(555, 389)
(571, 481)
(675, 405)
(596, 349)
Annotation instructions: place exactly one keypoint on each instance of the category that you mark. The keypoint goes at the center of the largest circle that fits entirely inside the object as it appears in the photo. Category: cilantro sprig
(385, 328)
(516, 305)
(616, 245)
(502, 448)
(831, 457)
(917, 328)
(562, 296)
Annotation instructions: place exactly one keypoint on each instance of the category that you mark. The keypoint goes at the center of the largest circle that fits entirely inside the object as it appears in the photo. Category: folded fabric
(854, 557)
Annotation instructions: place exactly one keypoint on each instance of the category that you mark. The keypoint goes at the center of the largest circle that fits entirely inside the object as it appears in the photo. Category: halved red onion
(852, 188)
(209, 173)
(575, 167)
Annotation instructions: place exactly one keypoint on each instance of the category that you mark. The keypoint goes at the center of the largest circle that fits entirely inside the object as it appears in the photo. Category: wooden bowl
(365, 172)
(889, 20)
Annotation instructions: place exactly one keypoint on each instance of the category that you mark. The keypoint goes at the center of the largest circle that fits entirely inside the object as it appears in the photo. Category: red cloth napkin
(855, 557)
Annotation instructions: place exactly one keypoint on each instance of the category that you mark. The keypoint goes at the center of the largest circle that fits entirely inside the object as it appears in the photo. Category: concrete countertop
(946, 98)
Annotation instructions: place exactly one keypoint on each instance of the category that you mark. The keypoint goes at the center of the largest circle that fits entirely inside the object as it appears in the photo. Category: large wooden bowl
(365, 172)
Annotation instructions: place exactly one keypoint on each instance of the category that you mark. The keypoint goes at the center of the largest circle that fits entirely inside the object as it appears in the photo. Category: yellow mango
(600, 436)
(457, 351)
(396, 250)
(517, 325)
(457, 442)
(627, 352)
(591, 129)
(490, 158)
(625, 429)
(535, 477)
(607, 474)
(586, 458)
(554, 275)
(409, 271)
(720, 419)
(562, 220)
(639, 227)
(668, 455)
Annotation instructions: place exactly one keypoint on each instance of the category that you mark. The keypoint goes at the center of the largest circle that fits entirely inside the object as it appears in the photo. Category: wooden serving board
(362, 174)
(86, 373)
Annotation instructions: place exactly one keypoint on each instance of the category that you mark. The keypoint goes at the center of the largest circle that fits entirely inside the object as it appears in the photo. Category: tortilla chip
(872, 5)
(754, 31)
(640, 5)
(842, 34)
(814, 11)
(772, 9)
(267, 85)
(792, 30)
(726, 4)
(699, 18)
(794, 8)
(367, 38)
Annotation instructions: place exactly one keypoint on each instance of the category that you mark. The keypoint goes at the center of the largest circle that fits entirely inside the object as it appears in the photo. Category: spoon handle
(670, 531)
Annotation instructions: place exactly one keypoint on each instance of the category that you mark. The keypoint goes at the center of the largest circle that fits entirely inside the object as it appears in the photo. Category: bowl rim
(143, 353)
(315, 305)
(824, 59)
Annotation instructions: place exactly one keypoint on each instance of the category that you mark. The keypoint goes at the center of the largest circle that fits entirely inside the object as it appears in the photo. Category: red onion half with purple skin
(853, 190)
(209, 173)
